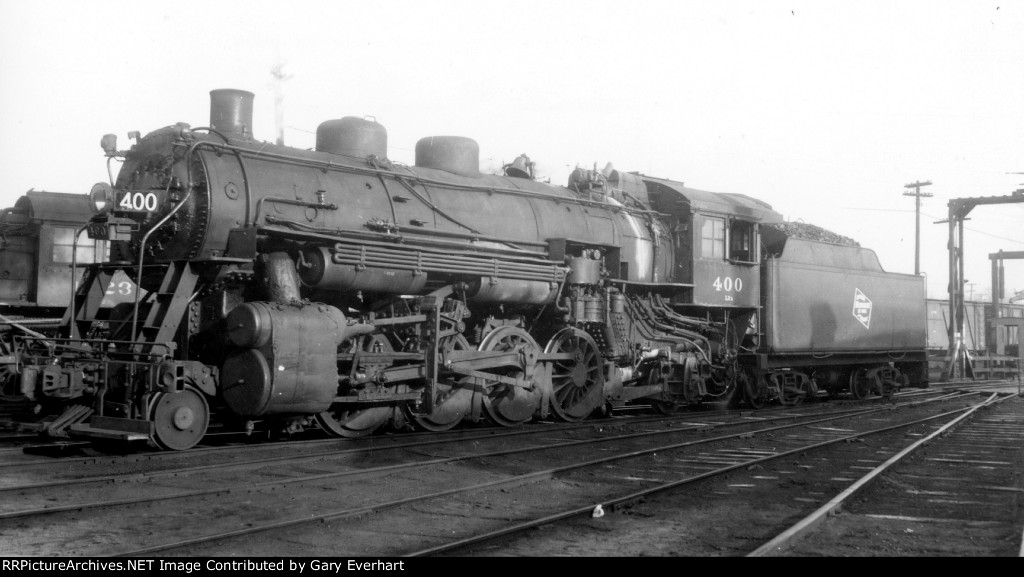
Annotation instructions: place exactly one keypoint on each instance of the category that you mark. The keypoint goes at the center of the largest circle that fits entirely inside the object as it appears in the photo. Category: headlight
(101, 197)
(109, 144)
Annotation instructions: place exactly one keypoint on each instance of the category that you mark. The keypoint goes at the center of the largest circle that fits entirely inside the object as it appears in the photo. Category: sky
(824, 109)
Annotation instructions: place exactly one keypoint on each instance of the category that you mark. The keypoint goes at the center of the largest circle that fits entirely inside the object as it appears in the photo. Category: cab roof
(65, 207)
(671, 196)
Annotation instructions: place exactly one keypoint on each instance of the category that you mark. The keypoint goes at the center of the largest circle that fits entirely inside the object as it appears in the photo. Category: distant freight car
(976, 330)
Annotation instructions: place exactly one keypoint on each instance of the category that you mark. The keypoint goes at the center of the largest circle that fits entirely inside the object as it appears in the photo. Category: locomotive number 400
(139, 201)
(728, 284)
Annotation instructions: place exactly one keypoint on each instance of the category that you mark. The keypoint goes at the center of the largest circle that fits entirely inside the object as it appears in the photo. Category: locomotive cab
(725, 261)
(717, 243)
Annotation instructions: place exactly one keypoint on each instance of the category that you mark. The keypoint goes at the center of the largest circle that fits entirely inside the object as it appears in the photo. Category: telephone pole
(917, 222)
(278, 83)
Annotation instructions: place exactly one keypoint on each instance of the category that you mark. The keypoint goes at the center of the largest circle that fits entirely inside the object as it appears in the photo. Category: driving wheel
(505, 404)
(453, 399)
(344, 421)
(577, 383)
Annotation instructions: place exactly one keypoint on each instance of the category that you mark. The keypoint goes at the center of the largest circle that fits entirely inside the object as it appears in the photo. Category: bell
(521, 167)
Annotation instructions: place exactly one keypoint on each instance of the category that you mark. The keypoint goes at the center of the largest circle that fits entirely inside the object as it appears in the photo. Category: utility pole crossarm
(917, 185)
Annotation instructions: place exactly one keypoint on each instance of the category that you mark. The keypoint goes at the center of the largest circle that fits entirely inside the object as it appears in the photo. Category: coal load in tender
(774, 235)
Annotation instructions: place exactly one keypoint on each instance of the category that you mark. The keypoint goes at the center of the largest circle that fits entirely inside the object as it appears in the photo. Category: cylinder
(320, 272)
(250, 325)
(286, 358)
(231, 112)
(352, 136)
(455, 154)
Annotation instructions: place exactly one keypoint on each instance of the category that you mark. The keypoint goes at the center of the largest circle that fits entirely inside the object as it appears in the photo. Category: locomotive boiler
(335, 288)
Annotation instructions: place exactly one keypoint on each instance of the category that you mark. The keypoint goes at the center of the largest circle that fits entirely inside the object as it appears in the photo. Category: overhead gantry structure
(958, 361)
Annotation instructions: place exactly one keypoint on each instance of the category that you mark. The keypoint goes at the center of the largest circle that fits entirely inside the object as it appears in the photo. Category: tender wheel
(179, 419)
(860, 385)
(889, 388)
(509, 405)
(344, 422)
(577, 384)
(791, 395)
(454, 399)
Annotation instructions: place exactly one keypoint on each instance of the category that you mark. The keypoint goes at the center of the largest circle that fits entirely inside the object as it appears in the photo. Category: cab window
(741, 241)
(712, 238)
(89, 250)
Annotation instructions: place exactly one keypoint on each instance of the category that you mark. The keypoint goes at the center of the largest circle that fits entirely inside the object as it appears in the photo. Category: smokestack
(231, 112)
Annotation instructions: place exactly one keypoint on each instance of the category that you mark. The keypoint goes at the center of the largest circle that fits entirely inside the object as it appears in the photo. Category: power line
(877, 209)
(940, 220)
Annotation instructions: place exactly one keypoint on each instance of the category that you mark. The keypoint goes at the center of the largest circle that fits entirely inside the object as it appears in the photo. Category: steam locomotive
(289, 289)
(37, 247)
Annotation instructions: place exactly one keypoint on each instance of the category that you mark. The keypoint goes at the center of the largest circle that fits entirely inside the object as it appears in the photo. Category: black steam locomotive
(335, 288)
(40, 237)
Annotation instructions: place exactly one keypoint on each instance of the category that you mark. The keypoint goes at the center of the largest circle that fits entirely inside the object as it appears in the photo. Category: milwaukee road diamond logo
(862, 308)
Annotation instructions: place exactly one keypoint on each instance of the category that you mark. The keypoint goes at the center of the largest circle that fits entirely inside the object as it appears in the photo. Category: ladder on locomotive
(163, 309)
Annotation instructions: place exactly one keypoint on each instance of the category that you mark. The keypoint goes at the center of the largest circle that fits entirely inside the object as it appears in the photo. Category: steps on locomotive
(56, 426)
(72, 424)
(112, 429)
(81, 424)
(84, 431)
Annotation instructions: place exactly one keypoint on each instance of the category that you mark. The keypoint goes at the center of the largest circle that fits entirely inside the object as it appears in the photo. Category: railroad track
(414, 485)
(973, 507)
(840, 505)
(40, 451)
